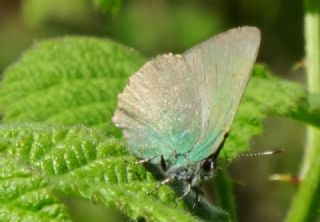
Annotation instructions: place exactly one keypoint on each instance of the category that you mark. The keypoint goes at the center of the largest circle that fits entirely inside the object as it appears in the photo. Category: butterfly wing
(181, 106)
(225, 61)
(160, 109)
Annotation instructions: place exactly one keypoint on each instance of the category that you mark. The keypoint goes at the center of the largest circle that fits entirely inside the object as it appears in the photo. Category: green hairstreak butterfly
(176, 111)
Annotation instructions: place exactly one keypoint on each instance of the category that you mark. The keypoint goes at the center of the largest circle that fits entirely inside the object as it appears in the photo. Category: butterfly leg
(163, 182)
(142, 161)
(185, 192)
(146, 160)
(199, 193)
(138, 162)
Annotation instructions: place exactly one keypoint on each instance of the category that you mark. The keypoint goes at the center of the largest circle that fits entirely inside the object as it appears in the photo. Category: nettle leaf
(266, 95)
(82, 162)
(69, 80)
(26, 195)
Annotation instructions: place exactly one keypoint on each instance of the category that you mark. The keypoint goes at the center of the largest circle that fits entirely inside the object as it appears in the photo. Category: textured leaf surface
(26, 195)
(81, 162)
(69, 80)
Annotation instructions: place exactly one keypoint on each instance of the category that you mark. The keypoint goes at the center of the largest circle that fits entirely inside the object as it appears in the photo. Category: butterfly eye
(207, 166)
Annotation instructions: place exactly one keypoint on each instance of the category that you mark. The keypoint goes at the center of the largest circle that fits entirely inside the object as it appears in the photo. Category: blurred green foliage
(112, 6)
(151, 27)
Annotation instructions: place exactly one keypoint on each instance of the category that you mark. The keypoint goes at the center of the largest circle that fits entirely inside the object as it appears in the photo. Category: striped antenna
(265, 153)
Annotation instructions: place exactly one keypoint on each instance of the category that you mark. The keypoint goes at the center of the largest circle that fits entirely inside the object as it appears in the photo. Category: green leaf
(26, 195)
(69, 80)
(74, 12)
(266, 95)
(112, 6)
(37, 12)
(82, 162)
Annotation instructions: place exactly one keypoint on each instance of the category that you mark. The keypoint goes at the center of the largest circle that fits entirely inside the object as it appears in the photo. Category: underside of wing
(161, 109)
(181, 107)
(226, 61)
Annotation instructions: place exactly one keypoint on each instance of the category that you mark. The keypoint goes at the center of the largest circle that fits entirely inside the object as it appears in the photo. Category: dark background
(154, 27)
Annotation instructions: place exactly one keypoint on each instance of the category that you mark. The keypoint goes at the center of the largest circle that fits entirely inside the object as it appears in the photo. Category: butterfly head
(193, 174)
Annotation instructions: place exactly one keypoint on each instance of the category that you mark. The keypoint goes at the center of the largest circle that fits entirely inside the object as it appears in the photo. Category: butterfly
(177, 110)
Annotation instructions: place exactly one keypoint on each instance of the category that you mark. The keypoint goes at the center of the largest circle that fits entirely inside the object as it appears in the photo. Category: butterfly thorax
(193, 174)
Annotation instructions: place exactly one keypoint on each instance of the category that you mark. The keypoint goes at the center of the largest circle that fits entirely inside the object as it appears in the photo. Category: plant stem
(306, 203)
(312, 38)
(225, 194)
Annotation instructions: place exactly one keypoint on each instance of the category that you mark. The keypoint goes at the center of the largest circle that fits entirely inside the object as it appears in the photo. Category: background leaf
(37, 12)
(70, 80)
(112, 6)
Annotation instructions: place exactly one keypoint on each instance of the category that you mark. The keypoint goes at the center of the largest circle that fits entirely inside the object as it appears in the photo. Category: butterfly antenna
(264, 153)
